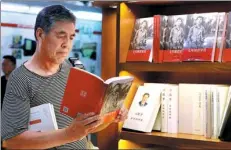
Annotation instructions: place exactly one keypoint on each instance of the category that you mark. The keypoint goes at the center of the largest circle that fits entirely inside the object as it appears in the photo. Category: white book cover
(157, 124)
(219, 93)
(159, 87)
(143, 111)
(207, 112)
(164, 111)
(172, 98)
(190, 109)
(226, 114)
(42, 118)
(214, 110)
(222, 94)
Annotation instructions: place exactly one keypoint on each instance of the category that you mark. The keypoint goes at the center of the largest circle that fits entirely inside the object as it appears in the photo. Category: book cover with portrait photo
(200, 37)
(141, 44)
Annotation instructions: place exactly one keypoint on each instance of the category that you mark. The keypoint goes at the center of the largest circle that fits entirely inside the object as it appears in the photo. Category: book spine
(223, 39)
(212, 107)
(172, 109)
(156, 44)
(197, 115)
(207, 97)
(164, 112)
(217, 112)
(215, 40)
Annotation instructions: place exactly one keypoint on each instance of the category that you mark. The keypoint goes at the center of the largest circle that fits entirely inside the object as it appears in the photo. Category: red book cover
(173, 37)
(86, 92)
(226, 54)
(140, 48)
(220, 35)
(200, 39)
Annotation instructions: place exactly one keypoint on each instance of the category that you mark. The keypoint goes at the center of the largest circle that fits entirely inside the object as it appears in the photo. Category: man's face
(178, 23)
(199, 21)
(143, 25)
(57, 44)
(145, 97)
(7, 66)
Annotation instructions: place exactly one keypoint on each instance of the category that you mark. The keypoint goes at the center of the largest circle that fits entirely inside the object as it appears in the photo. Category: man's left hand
(123, 114)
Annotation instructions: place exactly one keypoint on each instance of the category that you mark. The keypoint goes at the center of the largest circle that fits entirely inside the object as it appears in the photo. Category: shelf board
(176, 140)
(177, 67)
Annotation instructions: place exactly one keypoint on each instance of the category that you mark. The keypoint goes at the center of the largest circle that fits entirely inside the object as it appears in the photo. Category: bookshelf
(176, 140)
(178, 67)
(117, 30)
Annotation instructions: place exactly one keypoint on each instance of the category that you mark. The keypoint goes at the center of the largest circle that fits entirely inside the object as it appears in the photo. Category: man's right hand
(82, 125)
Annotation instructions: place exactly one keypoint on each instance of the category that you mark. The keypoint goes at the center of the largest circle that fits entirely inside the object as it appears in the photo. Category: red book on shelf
(86, 92)
(141, 45)
(169, 38)
(226, 54)
(200, 39)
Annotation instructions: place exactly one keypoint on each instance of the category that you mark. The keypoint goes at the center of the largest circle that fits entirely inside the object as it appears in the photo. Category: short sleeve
(15, 109)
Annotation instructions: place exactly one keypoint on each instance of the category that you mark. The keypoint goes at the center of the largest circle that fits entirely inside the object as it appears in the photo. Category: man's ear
(39, 34)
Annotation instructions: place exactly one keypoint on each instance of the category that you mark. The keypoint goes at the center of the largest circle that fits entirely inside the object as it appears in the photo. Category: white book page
(120, 79)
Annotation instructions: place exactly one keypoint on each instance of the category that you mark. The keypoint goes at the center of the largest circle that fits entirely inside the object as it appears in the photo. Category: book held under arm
(42, 118)
(86, 92)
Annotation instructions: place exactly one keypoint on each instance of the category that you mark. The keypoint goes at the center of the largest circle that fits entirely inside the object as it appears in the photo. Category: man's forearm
(37, 140)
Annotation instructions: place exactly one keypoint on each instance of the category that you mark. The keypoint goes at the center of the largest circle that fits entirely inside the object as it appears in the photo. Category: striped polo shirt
(26, 89)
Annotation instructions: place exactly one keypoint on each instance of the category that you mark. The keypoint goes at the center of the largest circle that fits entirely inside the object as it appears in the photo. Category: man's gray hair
(49, 15)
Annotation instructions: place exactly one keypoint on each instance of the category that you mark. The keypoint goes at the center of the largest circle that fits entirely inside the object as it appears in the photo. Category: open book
(86, 92)
(42, 118)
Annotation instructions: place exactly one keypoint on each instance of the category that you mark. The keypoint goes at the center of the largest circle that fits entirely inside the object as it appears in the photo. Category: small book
(42, 118)
(86, 92)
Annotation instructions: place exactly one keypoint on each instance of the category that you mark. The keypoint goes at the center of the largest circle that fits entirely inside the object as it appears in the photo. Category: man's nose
(66, 43)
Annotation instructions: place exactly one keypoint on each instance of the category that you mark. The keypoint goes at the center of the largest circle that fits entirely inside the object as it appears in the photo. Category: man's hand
(123, 114)
(82, 125)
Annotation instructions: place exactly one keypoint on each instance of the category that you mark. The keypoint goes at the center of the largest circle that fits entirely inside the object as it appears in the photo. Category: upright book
(172, 37)
(200, 37)
(226, 54)
(222, 21)
(86, 92)
(141, 45)
(225, 130)
(144, 110)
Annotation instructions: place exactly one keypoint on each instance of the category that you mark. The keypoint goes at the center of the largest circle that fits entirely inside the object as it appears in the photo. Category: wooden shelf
(175, 140)
(177, 67)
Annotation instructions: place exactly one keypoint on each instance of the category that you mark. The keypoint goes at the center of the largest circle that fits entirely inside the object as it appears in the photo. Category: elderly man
(42, 79)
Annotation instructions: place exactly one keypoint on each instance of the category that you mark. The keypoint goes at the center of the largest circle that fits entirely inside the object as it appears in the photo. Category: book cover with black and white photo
(141, 44)
(173, 38)
(200, 37)
(226, 54)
